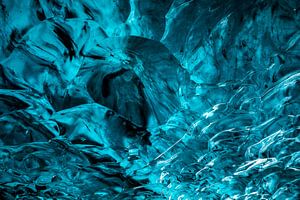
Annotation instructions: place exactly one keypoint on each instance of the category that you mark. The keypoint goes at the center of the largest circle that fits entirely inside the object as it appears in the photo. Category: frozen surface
(183, 99)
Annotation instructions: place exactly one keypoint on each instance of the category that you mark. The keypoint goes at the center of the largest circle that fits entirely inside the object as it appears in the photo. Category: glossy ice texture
(150, 99)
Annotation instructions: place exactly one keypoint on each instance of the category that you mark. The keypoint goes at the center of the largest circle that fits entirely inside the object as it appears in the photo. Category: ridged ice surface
(182, 99)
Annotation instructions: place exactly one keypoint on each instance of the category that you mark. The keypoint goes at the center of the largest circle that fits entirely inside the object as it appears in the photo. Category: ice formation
(150, 99)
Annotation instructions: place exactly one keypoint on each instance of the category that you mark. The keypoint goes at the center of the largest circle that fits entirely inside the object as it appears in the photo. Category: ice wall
(149, 99)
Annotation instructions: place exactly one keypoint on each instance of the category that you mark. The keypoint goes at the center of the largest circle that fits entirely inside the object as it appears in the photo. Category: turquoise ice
(149, 99)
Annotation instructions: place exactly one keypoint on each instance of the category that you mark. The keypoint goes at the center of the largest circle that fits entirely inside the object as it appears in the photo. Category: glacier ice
(144, 99)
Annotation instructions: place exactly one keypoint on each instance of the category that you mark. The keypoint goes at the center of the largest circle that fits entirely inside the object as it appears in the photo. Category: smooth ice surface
(146, 99)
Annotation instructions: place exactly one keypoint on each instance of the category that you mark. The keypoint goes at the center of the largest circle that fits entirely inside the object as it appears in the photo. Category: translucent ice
(144, 99)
